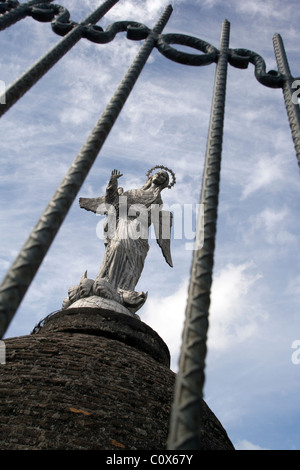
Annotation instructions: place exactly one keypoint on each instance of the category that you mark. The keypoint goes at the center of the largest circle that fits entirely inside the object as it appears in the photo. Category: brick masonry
(74, 384)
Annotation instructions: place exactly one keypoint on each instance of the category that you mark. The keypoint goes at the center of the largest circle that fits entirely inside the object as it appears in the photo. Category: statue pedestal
(100, 303)
(126, 328)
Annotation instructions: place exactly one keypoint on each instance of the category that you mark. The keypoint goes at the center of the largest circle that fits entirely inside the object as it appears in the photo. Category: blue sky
(252, 384)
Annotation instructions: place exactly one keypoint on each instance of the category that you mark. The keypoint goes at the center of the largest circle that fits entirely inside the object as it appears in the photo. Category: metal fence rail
(187, 406)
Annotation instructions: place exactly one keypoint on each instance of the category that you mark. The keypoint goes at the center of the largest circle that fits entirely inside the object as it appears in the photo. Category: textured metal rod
(15, 91)
(23, 270)
(18, 13)
(186, 424)
(292, 109)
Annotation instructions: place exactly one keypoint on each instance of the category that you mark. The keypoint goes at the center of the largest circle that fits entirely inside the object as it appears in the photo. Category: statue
(129, 216)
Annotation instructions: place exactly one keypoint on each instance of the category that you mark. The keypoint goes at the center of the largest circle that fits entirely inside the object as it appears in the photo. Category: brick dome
(90, 379)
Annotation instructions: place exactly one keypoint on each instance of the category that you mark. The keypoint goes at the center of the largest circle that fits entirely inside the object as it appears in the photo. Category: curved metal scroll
(12, 11)
(135, 31)
(240, 58)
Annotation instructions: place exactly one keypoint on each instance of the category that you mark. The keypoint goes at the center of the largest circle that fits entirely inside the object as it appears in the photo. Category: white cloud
(272, 218)
(4, 264)
(293, 287)
(246, 445)
(262, 8)
(234, 315)
(145, 11)
(265, 174)
(272, 225)
(166, 316)
(234, 312)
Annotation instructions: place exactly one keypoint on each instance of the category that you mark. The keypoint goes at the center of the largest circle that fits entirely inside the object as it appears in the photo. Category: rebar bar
(17, 13)
(26, 81)
(186, 425)
(292, 106)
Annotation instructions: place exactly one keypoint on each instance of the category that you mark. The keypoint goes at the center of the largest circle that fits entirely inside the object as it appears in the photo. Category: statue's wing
(162, 226)
(96, 204)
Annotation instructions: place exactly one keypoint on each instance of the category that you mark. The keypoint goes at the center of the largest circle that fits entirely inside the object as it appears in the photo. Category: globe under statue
(129, 215)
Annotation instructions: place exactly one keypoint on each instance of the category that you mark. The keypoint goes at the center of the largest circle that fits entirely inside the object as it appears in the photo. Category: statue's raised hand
(116, 174)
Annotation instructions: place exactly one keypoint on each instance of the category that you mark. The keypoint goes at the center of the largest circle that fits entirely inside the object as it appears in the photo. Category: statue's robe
(128, 218)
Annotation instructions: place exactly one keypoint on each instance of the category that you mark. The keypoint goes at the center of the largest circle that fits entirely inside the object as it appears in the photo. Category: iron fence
(185, 425)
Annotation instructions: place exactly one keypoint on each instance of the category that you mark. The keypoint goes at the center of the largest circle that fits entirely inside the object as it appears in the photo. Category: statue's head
(161, 178)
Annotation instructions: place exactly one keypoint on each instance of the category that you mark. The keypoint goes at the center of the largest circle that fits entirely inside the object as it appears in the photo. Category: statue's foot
(104, 289)
(133, 300)
(88, 291)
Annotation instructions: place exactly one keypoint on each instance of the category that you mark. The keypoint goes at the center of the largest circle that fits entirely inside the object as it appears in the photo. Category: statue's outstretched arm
(112, 187)
(99, 204)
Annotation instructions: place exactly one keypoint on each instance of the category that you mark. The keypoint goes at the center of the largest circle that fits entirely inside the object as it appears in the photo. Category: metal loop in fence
(210, 52)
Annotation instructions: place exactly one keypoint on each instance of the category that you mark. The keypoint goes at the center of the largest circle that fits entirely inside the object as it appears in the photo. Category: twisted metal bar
(186, 424)
(15, 91)
(61, 23)
(292, 108)
(11, 12)
(240, 58)
(23, 270)
(136, 31)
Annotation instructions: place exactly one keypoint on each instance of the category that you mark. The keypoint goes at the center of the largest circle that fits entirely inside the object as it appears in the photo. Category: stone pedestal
(90, 379)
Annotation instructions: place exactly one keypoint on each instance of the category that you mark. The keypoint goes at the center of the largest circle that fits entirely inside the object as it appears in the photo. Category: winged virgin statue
(129, 215)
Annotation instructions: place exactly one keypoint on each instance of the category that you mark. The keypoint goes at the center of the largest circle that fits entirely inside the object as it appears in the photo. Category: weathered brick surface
(124, 328)
(73, 390)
